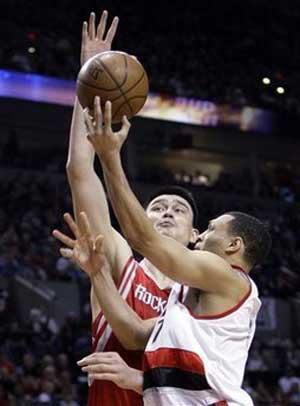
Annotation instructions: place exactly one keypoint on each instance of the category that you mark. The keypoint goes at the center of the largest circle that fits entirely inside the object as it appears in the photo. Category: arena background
(222, 120)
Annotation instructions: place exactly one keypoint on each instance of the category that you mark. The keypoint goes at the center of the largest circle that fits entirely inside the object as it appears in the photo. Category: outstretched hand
(106, 142)
(93, 41)
(85, 250)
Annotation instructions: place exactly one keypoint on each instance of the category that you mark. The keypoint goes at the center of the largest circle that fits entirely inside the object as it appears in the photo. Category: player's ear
(235, 244)
(194, 236)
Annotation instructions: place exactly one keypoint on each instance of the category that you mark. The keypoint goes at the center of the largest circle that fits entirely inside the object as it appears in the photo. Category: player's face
(172, 216)
(216, 238)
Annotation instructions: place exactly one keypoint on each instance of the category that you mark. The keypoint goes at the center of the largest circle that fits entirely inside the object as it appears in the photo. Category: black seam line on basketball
(128, 90)
(114, 89)
(131, 98)
(97, 87)
(113, 79)
(102, 64)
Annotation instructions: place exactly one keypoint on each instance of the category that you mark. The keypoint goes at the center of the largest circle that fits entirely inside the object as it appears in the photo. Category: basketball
(114, 76)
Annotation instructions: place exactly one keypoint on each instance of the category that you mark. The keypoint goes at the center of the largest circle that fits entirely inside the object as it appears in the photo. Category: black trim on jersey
(174, 377)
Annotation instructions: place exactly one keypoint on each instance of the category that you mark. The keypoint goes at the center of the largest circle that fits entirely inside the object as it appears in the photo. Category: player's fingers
(84, 33)
(71, 223)
(112, 30)
(85, 224)
(99, 244)
(97, 357)
(88, 121)
(66, 253)
(98, 114)
(102, 25)
(103, 376)
(125, 127)
(96, 368)
(107, 117)
(92, 26)
(63, 238)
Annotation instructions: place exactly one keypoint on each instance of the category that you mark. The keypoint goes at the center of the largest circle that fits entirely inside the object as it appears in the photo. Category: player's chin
(168, 232)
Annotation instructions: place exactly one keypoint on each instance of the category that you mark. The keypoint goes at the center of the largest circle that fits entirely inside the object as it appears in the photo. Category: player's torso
(143, 295)
(192, 358)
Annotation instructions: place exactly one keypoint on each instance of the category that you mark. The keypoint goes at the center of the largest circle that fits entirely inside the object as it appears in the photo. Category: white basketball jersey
(199, 360)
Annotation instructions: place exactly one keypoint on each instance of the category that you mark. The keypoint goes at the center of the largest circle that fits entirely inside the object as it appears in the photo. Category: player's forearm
(87, 190)
(129, 328)
(81, 154)
(132, 218)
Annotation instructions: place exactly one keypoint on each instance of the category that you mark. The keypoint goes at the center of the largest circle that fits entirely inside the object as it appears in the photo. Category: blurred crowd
(38, 360)
(273, 372)
(218, 51)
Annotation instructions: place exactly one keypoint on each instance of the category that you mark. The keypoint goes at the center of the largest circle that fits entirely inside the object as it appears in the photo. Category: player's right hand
(93, 41)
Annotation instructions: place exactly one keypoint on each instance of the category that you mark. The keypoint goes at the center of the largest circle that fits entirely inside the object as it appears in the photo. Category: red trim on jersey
(173, 358)
(238, 268)
(100, 315)
(229, 311)
(226, 313)
(221, 403)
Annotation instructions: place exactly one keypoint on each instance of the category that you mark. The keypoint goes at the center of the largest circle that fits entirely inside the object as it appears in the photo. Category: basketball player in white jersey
(140, 283)
(197, 351)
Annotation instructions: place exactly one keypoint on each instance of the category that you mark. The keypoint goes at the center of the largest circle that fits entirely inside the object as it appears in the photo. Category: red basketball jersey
(141, 292)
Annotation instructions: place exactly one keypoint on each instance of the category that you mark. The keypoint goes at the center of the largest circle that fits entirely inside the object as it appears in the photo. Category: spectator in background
(289, 383)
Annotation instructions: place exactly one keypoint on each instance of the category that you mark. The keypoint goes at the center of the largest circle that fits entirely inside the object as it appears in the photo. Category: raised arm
(200, 269)
(87, 190)
(132, 331)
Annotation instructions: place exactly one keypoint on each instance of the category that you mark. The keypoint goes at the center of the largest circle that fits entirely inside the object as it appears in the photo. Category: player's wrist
(110, 160)
(136, 380)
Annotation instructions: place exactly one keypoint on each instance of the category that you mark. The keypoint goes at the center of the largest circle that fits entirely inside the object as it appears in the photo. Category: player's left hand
(92, 39)
(106, 142)
(110, 366)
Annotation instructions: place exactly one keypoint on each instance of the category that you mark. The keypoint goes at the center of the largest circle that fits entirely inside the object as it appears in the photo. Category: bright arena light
(266, 81)
(280, 90)
(31, 50)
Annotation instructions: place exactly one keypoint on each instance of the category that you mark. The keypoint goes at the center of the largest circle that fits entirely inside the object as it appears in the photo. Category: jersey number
(159, 325)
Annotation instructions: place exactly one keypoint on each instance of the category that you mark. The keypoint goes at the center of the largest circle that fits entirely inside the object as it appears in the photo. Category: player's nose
(168, 213)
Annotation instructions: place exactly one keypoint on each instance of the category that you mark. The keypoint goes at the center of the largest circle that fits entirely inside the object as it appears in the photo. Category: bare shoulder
(211, 260)
(219, 276)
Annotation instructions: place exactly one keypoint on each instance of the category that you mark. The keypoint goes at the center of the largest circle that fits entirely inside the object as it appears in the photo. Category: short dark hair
(255, 234)
(179, 191)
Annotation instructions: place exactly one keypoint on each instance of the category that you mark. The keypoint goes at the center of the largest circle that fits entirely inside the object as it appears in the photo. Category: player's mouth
(166, 224)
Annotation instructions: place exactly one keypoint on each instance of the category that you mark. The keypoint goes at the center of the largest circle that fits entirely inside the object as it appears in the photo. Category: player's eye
(157, 208)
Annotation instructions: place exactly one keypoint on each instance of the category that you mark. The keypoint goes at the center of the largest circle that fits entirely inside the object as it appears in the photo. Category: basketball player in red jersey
(141, 284)
(198, 349)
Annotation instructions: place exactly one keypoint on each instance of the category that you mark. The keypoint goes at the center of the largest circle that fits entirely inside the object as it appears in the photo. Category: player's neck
(162, 280)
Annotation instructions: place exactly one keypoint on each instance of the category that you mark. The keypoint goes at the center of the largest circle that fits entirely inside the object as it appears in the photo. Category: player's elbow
(72, 170)
(140, 241)
(137, 339)
(136, 343)
(76, 171)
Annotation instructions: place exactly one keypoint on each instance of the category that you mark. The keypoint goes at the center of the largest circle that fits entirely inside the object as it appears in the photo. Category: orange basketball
(114, 76)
